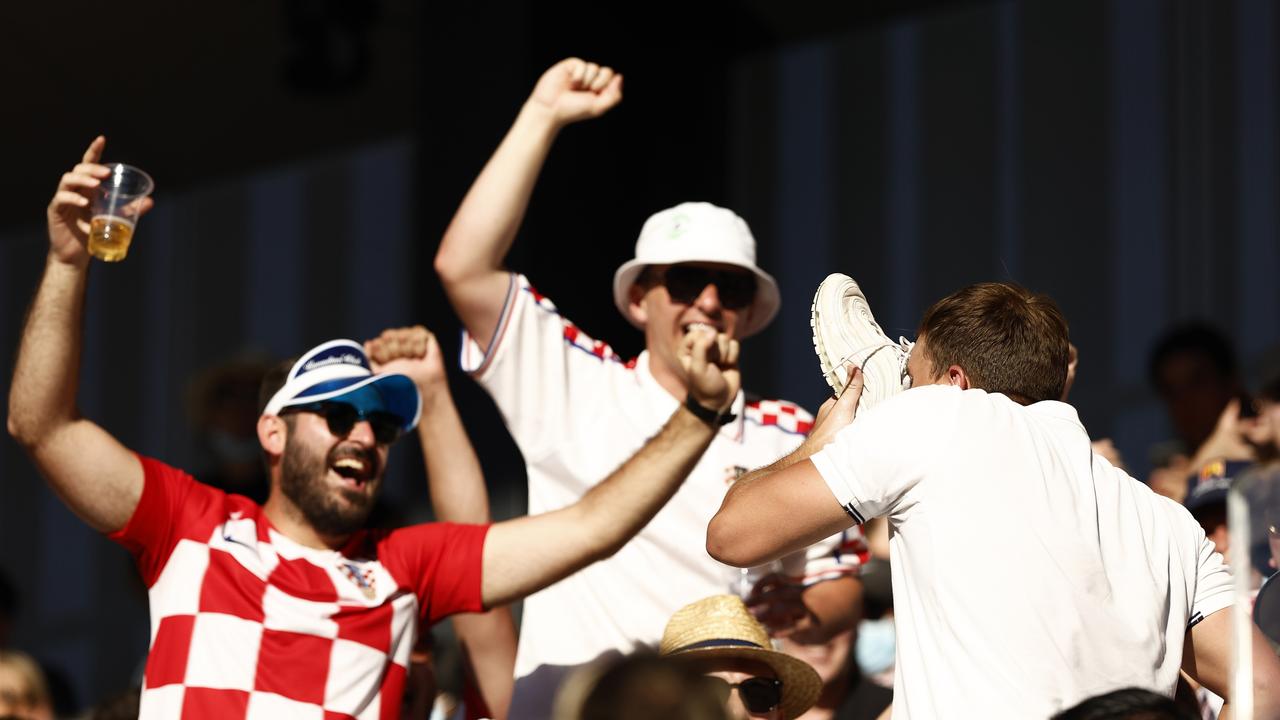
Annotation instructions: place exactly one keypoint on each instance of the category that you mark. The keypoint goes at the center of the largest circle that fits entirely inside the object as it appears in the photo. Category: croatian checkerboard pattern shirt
(246, 623)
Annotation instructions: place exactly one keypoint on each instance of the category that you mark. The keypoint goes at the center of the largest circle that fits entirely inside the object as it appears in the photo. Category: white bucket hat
(699, 232)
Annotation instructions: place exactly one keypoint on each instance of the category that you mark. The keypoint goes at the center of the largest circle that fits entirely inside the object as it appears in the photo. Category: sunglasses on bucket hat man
(684, 282)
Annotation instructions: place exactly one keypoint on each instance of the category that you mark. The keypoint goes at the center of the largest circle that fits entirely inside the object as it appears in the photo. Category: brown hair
(1006, 338)
(274, 379)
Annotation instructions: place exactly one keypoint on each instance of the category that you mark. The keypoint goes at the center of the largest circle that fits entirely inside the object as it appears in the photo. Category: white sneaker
(844, 330)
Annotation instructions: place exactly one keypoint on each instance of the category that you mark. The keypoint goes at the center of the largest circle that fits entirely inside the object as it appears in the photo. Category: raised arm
(458, 494)
(527, 554)
(96, 476)
(455, 480)
(790, 488)
(471, 255)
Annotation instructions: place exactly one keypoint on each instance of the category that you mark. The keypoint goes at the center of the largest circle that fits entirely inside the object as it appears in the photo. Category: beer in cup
(116, 207)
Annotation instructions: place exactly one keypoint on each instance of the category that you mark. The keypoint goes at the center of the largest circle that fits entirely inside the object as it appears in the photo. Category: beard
(302, 480)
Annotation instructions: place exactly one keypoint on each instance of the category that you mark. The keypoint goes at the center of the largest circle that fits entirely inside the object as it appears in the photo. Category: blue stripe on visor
(325, 387)
(394, 394)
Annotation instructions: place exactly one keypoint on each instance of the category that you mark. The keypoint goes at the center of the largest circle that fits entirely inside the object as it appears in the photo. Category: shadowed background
(1120, 156)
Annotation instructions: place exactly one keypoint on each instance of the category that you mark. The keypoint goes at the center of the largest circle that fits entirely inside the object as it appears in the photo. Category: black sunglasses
(759, 695)
(342, 417)
(736, 288)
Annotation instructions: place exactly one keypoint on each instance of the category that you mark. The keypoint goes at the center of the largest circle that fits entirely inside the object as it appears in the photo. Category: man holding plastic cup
(118, 195)
(293, 608)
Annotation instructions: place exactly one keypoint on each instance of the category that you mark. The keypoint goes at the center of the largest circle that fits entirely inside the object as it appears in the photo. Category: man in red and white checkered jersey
(292, 609)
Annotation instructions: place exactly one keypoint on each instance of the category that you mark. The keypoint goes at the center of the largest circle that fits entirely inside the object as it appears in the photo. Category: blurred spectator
(1260, 482)
(846, 693)
(1127, 704)
(1193, 367)
(1263, 432)
(24, 693)
(1238, 434)
(1208, 487)
(1207, 499)
(222, 401)
(875, 650)
(56, 682)
(718, 637)
(638, 687)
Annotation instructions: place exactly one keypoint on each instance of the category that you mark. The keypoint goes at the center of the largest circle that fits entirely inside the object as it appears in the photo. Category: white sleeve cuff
(838, 486)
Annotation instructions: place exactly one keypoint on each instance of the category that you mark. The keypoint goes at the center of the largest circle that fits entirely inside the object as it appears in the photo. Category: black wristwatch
(707, 415)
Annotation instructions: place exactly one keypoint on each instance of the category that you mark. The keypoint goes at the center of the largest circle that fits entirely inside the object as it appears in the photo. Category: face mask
(876, 645)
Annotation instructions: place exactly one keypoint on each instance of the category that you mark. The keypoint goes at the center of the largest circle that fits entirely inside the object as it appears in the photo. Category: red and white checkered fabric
(246, 623)
(788, 417)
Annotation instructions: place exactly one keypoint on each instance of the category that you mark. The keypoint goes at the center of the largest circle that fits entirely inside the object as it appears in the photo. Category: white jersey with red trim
(577, 411)
(247, 624)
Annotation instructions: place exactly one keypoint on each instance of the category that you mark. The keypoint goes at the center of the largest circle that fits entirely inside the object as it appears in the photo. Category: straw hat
(721, 627)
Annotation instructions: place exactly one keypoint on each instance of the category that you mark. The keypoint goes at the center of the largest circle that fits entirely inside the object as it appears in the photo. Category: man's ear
(958, 377)
(635, 306)
(272, 434)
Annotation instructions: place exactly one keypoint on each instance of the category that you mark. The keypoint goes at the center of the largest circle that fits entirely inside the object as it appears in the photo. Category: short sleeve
(534, 367)
(1213, 584)
(882, 454)
(172, 503)
(441, 562)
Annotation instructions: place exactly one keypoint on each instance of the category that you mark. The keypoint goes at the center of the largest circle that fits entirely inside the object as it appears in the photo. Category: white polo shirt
(1028, 573)
(577, 412)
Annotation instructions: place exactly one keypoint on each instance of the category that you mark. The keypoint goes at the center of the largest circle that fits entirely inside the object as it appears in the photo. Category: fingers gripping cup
(116, 207)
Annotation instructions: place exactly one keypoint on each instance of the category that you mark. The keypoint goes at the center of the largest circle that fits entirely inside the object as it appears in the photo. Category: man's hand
(574, 90)
(69, 210)
(710, 363)
(778, 603)
(836, 413)
(411, 351)
(1227, 441)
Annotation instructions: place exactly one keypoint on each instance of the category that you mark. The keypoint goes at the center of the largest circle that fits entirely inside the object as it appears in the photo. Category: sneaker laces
(904, 346)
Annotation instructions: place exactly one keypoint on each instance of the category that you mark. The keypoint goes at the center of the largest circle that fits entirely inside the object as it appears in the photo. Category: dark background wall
(1121, 156)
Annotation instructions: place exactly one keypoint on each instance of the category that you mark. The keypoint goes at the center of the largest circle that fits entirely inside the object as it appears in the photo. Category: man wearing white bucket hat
(576, 409)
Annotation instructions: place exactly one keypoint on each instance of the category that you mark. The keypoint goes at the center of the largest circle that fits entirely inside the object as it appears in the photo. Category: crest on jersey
(362, 577)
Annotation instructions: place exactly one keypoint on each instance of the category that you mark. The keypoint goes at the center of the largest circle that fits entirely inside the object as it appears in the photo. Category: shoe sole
(830, 300)
(823, 299)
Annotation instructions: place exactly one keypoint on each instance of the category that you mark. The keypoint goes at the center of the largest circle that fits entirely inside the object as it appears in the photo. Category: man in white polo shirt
(576, 410)
(1028, 572)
